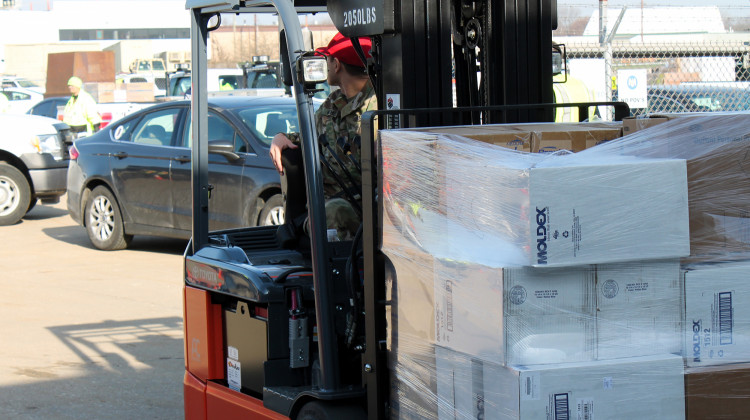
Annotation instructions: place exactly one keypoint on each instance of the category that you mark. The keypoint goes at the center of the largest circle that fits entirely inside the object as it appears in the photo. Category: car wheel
(273, 212)
(15, 195)
(104, 221)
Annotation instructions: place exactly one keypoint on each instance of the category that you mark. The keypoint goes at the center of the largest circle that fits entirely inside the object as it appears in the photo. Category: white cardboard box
(717, 314)
(515, 315)
(604, 213)
(576, 212)
(639, 308)
(649, 387)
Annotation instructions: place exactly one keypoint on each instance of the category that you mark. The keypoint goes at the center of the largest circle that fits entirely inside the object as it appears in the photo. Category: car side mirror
(224, 148)
(559, 59)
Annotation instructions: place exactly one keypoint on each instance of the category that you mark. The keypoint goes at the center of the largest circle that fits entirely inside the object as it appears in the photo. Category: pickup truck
(33, 163)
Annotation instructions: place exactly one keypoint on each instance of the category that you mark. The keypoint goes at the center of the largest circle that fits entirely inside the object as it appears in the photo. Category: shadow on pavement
(127, 370)
(41, 212)
(76, 235)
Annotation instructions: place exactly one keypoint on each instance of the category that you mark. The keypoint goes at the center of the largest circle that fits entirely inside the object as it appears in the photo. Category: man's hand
(279, 143)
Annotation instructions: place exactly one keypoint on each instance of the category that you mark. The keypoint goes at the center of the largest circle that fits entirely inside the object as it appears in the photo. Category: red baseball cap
(341, 47)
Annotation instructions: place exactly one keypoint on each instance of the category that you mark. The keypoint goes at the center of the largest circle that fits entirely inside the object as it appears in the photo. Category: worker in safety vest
(572, 90)
(225, 85)
(80, 111)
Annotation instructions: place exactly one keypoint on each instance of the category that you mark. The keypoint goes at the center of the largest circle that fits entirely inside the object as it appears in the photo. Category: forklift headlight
(314, 69)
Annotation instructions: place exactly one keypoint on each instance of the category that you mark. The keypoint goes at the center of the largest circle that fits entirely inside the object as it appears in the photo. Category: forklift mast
(495, 52)
(426, 54)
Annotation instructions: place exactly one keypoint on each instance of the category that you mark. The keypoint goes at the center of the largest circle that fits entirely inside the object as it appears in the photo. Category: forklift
(285, 324)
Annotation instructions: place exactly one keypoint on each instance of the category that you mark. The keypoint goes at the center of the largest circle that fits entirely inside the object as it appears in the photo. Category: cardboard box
(632, 124)
(538, 137)
(717, 314)
(716, 147)
(717, 392)
(573, 137)
(515, 315)
(583, 213)
(500, 135)
(102, 92)
(648, 387)
(605, 213)
(411, 281)
(719, 199)
(639, 309)
(553, 210)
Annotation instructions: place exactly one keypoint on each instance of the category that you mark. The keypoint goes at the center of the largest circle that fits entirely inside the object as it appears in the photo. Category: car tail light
(73, 152)
(106, 119)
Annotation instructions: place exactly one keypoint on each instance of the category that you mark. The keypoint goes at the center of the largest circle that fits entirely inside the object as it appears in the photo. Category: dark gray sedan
(133, 177)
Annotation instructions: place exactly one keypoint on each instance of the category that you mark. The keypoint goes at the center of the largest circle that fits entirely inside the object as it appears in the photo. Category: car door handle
(183, 159)
(120, 155)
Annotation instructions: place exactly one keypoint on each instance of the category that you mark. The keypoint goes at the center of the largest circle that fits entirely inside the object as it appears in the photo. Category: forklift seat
(293, 189)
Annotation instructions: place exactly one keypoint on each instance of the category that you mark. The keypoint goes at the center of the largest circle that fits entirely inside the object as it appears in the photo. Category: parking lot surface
(88, 334)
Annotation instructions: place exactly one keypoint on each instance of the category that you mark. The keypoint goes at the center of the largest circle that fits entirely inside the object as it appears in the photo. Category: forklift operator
(338, 123)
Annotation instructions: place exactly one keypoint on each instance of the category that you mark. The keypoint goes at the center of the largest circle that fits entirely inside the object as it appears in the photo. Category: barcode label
(562, 408)
(449, 305)
(530, 386)
(585, 408)
(725, 318)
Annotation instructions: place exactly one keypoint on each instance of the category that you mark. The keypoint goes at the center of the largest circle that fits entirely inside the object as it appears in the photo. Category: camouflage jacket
(339, 119)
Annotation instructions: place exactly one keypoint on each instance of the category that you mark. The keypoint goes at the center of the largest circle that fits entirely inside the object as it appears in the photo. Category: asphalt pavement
(88, 334)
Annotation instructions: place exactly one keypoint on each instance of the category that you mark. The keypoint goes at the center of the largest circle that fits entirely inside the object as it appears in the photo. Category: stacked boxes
(545, 282)
(550, 273)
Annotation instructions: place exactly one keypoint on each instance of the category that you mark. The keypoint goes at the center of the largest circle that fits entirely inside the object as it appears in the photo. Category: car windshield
(267, 121)
(157, 65)
(27, 84)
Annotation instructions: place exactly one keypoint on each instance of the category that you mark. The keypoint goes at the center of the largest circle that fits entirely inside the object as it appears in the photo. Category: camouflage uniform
(339, 119)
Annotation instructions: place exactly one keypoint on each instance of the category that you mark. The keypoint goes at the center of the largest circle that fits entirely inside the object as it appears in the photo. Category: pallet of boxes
(538, 283)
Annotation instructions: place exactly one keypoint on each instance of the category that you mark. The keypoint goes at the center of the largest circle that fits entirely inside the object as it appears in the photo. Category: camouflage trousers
(340, 215)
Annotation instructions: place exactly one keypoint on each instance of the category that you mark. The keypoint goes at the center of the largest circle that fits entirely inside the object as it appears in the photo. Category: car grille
(161, 83)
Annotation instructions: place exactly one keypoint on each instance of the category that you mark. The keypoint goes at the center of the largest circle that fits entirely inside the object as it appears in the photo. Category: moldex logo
(697, 340)
(541, 235)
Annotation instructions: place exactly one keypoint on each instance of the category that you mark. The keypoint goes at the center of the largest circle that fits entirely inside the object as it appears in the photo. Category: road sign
(631, 87)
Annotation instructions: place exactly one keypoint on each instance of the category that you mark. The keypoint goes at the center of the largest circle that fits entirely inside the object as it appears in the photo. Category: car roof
(233, 102)
(690, 88)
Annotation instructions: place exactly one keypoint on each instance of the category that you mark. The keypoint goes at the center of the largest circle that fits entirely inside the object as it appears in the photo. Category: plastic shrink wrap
(603, 284)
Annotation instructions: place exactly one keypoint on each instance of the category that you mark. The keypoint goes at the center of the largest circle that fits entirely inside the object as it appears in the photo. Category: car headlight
(48, 143)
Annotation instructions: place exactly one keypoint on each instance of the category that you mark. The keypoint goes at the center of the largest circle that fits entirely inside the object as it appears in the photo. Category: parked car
(697, 98)
(20, 99)
(134, 176)
(20, 82)
(33, 163)
(50, 107)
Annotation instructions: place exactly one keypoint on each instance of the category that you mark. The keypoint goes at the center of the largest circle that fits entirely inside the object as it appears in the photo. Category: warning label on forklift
(234, 377)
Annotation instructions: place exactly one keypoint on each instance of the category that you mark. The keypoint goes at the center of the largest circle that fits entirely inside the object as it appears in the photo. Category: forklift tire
(323, 410)
(104, 221)
(15, 195)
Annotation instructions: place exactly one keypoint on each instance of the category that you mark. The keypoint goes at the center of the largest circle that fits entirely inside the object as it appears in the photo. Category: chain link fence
(677, 63)
(678, 76)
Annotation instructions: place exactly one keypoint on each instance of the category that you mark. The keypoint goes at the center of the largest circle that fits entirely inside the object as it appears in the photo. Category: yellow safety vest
(81, 110)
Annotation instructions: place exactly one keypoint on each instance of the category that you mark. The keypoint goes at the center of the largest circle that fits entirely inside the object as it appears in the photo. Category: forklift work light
(314, 69)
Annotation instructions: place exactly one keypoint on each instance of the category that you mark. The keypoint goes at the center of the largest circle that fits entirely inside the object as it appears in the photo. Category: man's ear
(336, 64)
